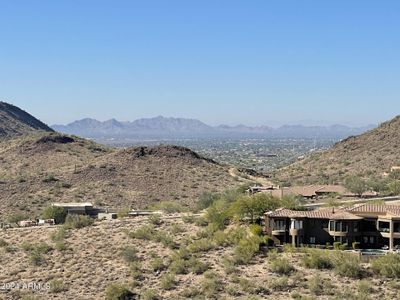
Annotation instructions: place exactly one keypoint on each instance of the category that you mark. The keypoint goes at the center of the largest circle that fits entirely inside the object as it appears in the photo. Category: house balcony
(294, 232)
(278, 231)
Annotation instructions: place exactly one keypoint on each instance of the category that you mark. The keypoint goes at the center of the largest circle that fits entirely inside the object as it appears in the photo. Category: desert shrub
(190, 219)
(319, 286)
(206, 199)
(145, 232)
(218, 214)
(54, 212)
(336, 245)
(364, 289)
(77, 221)
(229, 265)
(157, 264)
(155, 220)
(135, 269)
(16, 217)
(235, 235)
(256, 229)
(58, 235)
(212, 284)
(36, 258)
(202, 245)
(164, 238)
(281, 266)
(317, 259)
(246, 249)
(168, 282)
(181, 253)
(220, 238)
(191, 292)
(387, 265)
(61, 246)
(3, 243)
(129, 254)
(356, 245)
(118, 292)
(347, 265)
(178, 266)
(201, 221)
(150, 295)
(123, 213)
(36, 252)
(268, 241)
(280, 284)
(50, 178)
(196, 266)
(57, 286)
(169, 207)
(176, 228)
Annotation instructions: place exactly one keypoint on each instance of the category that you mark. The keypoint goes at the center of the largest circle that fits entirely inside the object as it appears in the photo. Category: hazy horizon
(225, 62)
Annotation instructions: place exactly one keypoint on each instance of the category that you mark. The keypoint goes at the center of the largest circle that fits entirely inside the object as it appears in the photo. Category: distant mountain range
(162, 127)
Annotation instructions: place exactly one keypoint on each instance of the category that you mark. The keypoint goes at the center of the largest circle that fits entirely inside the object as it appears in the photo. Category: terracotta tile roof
(323, 213)
(347, 213)
(375, 208)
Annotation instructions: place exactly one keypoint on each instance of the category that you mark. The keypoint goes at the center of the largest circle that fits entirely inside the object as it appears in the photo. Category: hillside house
(373, 226)
(78, 208)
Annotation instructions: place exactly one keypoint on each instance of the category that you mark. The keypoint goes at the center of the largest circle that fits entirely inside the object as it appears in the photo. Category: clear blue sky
(219, 61)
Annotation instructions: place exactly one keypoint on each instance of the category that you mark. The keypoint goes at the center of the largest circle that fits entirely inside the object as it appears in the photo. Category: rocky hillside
(38, 169)
(371, 154)
(14, 121)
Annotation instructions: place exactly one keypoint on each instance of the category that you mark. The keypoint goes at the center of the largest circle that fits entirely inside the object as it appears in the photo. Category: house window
(325, 224)
(279, 225)
(331, 226)
(296, 224)
(372, 240)
(312, 239)
(365, 238)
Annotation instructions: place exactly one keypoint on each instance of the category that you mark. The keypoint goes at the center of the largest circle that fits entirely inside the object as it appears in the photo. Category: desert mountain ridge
(371, 154)
(15, 122)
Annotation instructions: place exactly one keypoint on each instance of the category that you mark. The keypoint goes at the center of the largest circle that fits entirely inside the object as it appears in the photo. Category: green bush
(129, 254)
(157, 264)
(168, 282)
(59, 235)
(246, 249)
(211, 285)
(196, 266)
(77, 221)
(317, 259)
(202, 245)
(57, 286)
(155, 220)
(281, 266)
(206, 199)
(123, 213)
(336, 245)
(54, 212)
(387, 265)
(150, 295)
(178, 266)
(145, 232)
(136, 270)
(256, 229)
(118, 292)
(348, 265)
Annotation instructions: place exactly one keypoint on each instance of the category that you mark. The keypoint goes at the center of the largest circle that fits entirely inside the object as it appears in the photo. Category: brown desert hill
(14, 121)
(41, 168)
(371, 154)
